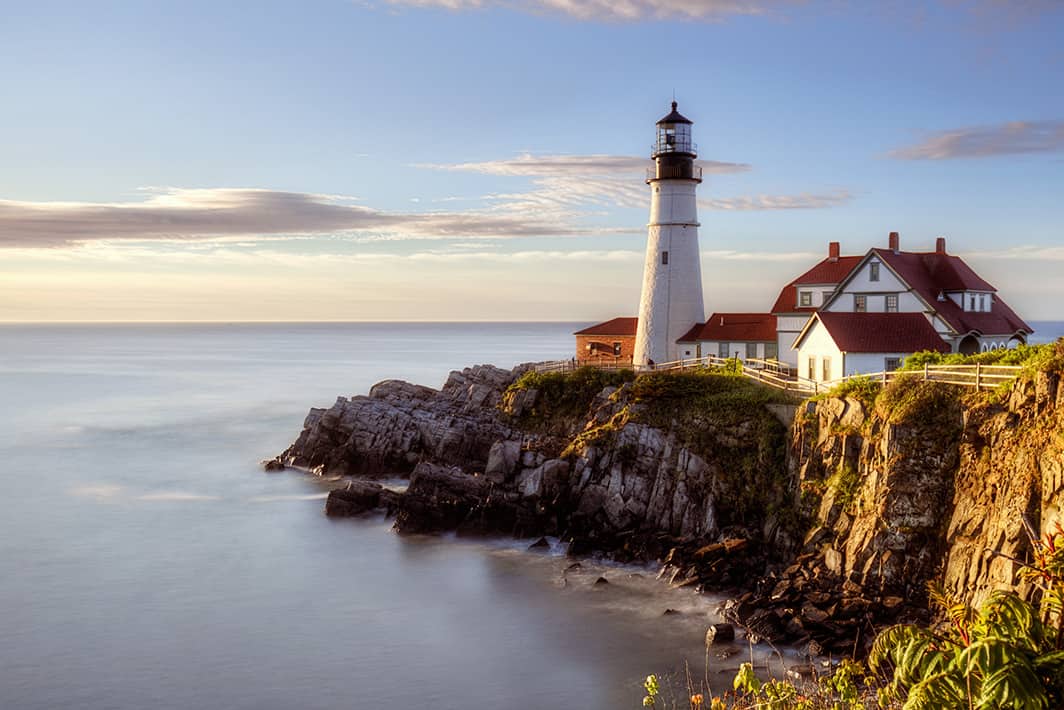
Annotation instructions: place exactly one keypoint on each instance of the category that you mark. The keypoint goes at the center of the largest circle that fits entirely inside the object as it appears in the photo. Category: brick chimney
(940, 245)
(894, 243)
(833, 251)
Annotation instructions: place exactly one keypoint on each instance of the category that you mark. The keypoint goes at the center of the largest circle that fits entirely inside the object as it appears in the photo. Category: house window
(892, 303)
(891, 363)
(860, 303)
(825, 369)
(664, 258)
(722, 350)
(826, 296)
(812, 369)
(771, 351)
(873, 271)
(982, 301)
(616, 349)
(971, 303)
(805, 299)
(751, 350)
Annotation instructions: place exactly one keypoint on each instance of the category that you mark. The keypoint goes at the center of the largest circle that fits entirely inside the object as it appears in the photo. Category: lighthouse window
(665, 258)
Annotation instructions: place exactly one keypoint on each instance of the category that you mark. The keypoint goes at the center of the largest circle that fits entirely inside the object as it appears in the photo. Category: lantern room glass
(674, 138)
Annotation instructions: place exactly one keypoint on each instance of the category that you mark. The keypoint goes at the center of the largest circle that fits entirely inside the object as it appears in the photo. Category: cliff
(608, 463)
(922, 482)
(827, 531)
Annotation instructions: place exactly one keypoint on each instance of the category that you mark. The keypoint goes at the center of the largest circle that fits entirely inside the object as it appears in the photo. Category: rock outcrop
(399, 424)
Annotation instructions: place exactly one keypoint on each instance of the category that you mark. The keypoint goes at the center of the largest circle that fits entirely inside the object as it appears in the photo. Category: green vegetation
(1031, 357)
(846, 482)
(564, 395)
(1007, 654)
(911, 399)
(863, 388)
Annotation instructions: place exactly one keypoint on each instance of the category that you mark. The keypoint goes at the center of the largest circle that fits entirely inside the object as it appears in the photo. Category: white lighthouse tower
(671, 302)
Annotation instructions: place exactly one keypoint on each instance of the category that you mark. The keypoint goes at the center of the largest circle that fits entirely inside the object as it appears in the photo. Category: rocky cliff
(827, 531)
(630, 468)
(923, 483)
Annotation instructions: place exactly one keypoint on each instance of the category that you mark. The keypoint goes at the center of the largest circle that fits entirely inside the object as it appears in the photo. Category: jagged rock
(601, 582)
(399, 424)
(502, 460)
(358, 497)
(272, 465)
(540, 544)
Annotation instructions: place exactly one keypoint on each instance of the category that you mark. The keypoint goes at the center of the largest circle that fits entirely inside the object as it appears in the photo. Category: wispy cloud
(617, 10)
(177, 213)
(574, 165)
(1012, 138)
(803, 201)
(1024, 253)
(565, 183)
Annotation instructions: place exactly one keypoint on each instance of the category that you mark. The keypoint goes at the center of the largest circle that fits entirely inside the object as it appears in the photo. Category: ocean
(149, 562)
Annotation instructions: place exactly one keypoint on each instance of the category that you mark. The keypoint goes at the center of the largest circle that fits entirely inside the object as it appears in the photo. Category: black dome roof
(675, 117)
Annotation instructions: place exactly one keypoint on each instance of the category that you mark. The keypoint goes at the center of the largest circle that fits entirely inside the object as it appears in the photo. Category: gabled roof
(734, 327)
(828, 271)
(877, 332)
(930, 274)
(615, 326)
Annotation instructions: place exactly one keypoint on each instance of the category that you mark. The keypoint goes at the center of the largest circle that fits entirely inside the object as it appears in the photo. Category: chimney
(940, 245)
(833, 251)
(894, 242)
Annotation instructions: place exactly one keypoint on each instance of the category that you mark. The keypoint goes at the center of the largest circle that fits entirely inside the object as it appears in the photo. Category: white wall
(671, 300)
(711, 347)
(865, 363)
(818, 344)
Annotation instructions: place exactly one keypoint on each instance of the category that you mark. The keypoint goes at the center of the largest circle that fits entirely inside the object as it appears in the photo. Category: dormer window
(873, 271)
(982, 302)
(805, 299)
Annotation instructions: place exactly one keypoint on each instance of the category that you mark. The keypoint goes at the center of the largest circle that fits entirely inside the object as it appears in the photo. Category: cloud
(1012, 138)
(566, 183)
(1024, 253)
(528, 164)
(804, 201)
(178, 214)
(616, 10)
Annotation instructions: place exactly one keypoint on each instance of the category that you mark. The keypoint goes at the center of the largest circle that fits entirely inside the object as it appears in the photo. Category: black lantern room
(674, 152)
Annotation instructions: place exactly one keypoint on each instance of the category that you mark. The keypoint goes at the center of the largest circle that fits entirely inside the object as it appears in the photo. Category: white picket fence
(779, 375)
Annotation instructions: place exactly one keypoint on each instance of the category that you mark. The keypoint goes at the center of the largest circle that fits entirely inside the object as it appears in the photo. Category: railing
(778, 374)
(667, 172)
(678, 145)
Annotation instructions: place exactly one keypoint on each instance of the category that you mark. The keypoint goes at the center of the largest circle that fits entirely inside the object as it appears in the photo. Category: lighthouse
(671, 302)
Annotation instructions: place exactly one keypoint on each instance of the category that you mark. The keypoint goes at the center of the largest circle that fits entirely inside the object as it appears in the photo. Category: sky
(463, 160)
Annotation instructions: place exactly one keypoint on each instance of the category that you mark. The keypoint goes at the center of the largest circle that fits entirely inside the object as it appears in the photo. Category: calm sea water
(149, 563)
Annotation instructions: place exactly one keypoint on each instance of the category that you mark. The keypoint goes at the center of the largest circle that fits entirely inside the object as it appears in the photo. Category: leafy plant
(1006, 654)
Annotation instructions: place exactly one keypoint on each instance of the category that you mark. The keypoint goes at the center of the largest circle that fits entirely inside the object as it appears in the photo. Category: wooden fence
(781, 376)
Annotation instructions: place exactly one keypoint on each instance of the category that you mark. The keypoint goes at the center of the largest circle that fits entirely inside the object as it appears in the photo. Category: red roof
(734, 327)
(826, 272)
(880, 332)
(931, 274)
(616, 326)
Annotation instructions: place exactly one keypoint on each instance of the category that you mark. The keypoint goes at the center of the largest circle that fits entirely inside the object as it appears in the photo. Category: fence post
(925, 372)
(978, 376)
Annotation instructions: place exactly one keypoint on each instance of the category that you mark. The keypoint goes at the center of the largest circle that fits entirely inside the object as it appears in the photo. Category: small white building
(739, 335)
(835, 344)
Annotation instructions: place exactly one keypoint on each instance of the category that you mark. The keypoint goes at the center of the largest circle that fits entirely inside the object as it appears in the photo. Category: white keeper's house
(844, 316)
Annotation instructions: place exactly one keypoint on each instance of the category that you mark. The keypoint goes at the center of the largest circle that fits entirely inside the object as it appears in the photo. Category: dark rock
(540, 544)
(670, 612)
(601, 582)
(719, 632)
(273, 465)
(359, 497)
